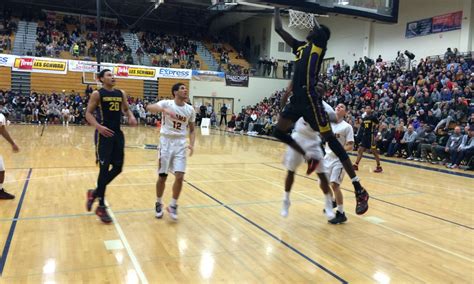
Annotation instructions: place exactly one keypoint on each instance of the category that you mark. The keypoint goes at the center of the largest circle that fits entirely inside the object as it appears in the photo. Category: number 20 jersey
(110, 108)
(178, 126)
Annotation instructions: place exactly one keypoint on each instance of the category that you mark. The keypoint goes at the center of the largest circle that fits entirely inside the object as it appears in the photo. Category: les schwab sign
(28, 64)
(132, 72)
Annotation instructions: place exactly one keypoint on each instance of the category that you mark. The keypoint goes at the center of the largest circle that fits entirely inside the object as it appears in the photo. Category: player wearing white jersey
(6, 135)
(310, 142)
(331, 164)
(177, 121)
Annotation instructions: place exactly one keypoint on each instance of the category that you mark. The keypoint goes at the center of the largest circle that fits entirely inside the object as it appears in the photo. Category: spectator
(408, 141)
(465, 150)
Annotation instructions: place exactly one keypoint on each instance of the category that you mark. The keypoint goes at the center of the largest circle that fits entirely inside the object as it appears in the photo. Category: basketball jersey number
(114, 106)
(177, 125)
(299, 52)
(367, 125)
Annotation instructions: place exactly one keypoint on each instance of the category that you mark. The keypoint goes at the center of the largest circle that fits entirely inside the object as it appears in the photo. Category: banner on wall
(7, 60)
(237, 80)
(438, 24)
(135, 72)
(173, 73)
(418, 28)
(447, 22)
(209, 76)
(40, 65)
(81, 66)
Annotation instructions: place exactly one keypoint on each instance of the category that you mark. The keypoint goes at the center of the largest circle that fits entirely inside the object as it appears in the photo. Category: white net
(301, 20)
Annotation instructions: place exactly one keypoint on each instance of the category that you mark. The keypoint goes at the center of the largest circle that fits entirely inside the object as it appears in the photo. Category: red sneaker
(362, 202)
(378, 169)
(90, 199)
(104, 216)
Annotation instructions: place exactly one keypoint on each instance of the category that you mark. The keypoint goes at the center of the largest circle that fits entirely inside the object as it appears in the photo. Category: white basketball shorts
(293, 159)
(172, 155)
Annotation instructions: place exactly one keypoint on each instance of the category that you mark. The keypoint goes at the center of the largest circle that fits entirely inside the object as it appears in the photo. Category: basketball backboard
(384, 11)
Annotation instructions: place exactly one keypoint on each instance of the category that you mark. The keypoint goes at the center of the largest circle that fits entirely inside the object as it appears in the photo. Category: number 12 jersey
(176, 126)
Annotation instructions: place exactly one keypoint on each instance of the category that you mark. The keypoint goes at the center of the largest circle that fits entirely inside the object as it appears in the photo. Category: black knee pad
(336, 147)
(163, 175)
(282, 136)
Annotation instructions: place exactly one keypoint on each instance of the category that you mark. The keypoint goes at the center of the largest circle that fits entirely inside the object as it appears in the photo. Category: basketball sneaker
(355, 167)
(285, 208)
(378, 169)
(6, 195)
(104, 216)
(158, 210)
(340, 218)
(312, 165)
(90, 199)
(362, 199)
(173, 211)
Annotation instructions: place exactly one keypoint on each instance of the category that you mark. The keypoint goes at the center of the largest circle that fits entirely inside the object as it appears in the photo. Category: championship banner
(135, 72)
(237, 80)
(447, 22)
(418, 28)
(40, 65)
(7, 60)
(209, 76)
(173, 73)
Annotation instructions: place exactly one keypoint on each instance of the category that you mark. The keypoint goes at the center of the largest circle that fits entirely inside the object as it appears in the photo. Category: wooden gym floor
(419, 227)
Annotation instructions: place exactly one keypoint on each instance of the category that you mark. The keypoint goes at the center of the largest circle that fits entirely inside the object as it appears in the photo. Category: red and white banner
(40, 65)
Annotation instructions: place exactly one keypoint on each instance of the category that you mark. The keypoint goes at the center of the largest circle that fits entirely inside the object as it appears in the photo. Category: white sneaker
(329, 213)
(158, 210)
(173, 211)
(285, 208)
(410, 158)
(417, 159)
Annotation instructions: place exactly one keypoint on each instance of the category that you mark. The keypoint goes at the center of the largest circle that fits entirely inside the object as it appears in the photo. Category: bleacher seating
(164, 87)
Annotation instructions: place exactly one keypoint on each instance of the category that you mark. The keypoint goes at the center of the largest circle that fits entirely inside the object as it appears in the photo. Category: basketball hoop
(301, 20)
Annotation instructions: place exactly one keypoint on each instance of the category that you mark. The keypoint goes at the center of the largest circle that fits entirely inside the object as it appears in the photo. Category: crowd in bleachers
(7, 25)
(61, 107)
(226, 63)
(60, 33)
(167, 50)
(7, 28)
(418, 108)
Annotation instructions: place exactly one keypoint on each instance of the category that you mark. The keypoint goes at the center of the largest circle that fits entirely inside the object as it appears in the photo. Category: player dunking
(369, 129)
(6, 135)
(177, 120)
(110, 146)
(332, 165)
(306, 102)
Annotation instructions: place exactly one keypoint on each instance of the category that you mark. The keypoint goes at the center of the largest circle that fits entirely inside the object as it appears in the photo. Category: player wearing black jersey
(369, 132)
(307, 102)
(110, 104)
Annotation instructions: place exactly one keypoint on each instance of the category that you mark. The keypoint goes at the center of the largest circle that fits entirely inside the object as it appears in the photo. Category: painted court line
(126, 211)
(396, 231)
(456, 173)
(6, 248)
(128, 248)
(391, 203)
(381, 225)
(271, 235)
